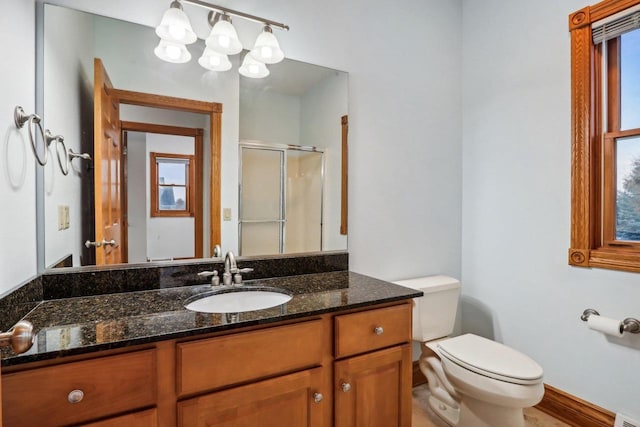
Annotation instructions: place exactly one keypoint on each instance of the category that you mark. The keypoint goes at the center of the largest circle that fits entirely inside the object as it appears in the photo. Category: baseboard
(573, 410)
(418, 376)
(557, 403)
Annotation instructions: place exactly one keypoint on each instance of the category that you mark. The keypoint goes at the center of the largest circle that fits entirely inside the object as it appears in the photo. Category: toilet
(473, 381)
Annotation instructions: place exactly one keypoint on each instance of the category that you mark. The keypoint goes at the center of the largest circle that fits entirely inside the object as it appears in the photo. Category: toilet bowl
(474, 381)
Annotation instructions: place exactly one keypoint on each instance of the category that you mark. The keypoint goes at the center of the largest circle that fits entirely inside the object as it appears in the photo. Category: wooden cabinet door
(374, 390)
(289, 400)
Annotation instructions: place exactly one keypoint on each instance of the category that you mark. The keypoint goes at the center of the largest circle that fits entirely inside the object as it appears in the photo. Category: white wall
(269, 117)
(17, 163)
(322, 110)
(137, 180)
(516, 282)
(68, 55)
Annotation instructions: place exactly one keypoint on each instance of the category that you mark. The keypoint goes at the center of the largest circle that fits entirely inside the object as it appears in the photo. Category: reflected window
(172, 185)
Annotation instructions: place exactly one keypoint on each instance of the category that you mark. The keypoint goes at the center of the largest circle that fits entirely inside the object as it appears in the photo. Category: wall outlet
(226, 214)
(624, 421)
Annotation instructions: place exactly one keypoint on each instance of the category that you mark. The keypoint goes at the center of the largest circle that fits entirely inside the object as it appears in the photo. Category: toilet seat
(490, 359)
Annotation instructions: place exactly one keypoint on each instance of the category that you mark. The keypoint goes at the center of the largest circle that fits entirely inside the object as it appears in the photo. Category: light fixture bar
(221, 9)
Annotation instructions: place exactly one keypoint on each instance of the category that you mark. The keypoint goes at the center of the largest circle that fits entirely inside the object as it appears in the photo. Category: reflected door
(108, 172)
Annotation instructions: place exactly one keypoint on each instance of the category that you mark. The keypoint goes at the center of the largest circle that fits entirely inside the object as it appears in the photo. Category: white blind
(614, 28)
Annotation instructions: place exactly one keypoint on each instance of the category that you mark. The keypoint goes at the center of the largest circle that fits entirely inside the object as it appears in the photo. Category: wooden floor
(423, 416)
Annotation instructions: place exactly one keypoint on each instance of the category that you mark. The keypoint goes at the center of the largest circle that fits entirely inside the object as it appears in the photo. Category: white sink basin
(237, 299)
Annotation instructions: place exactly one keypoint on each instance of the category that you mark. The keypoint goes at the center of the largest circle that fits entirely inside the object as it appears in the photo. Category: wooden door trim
(166, 102)
(214, 111)
(197, 134)
(345, 171)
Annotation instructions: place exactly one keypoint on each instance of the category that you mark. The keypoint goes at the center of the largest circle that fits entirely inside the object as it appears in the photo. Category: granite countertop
(80, 325)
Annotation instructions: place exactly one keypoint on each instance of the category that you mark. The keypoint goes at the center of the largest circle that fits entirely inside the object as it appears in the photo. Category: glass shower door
(261, 201)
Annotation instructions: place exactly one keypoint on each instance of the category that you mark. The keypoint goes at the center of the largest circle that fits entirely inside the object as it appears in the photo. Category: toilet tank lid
(490, 358)
(429, 284)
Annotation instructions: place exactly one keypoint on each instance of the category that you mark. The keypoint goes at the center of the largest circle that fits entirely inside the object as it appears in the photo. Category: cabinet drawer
(109, 385)
(369, 330)
(217, 362)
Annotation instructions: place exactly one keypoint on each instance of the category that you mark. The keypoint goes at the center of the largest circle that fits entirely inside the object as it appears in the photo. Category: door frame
(197, 134)
(214, 112)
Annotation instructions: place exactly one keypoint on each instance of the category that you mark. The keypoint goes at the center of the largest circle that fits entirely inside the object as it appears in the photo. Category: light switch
(66, 217)
(60, 217)
(226, 214)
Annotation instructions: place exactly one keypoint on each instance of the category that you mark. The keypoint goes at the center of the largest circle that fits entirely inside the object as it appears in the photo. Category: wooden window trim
(190, 186)
(587, 236)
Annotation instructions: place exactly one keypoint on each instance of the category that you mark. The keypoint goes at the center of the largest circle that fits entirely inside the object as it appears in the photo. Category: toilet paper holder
(629, 324)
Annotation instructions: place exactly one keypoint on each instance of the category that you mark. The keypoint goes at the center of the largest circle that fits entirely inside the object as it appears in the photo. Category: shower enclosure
(281, 198)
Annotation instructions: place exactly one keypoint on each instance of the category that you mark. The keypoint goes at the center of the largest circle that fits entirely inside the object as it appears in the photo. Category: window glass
(630, 80)
(172, 172)
(628, 188)
(173, 198)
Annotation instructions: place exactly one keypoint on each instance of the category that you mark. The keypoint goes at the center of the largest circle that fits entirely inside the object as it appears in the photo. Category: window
(605, 170)
(172, 185)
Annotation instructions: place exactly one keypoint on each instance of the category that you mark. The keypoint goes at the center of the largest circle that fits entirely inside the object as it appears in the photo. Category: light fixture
(175, 32)
(172, 52)
(175, 26)
(267, 49)
(252, 68)
(214, 61)
(223, 37)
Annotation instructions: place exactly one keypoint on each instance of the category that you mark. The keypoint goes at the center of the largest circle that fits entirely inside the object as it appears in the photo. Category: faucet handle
(215, 280)
(237, 278)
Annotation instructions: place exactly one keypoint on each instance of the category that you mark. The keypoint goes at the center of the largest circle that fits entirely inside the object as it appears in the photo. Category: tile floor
(423, 416)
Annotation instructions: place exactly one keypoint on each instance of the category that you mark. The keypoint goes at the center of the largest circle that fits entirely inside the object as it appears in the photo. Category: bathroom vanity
(338, 352)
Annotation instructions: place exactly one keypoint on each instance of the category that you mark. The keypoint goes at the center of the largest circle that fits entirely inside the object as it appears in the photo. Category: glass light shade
(252, 68)
(214, 61)
(172, 52)
(267, 50)
(175, 27)
(224, 38)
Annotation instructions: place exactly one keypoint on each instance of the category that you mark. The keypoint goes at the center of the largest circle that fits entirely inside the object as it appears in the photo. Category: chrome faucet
(230, 268)
(232, 274)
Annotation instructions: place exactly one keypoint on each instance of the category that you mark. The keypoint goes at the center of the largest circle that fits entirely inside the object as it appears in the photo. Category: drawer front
(101, 387)
(217, 362)
(148, 418)
(373, 329)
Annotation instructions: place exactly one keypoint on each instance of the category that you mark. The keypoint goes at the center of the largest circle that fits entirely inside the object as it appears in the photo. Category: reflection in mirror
(298, 104)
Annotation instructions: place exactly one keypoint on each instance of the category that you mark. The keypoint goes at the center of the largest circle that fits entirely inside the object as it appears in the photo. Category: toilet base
(449, 414)
(476, 413)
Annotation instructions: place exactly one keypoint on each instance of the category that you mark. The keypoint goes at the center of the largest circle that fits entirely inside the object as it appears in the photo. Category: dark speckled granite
(17, 303)
(87, 281)
(87, 324)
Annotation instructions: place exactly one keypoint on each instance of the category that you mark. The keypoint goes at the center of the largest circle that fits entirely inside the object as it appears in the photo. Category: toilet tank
(434, 314)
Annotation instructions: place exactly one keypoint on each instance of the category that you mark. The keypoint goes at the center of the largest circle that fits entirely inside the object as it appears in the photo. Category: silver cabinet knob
(378, 330)
(19, 337)
(346, 387)
(75, 396)
(317, 397)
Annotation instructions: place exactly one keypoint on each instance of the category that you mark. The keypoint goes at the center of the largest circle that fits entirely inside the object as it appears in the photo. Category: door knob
(20, 337)
(89, 243)
(106, 242)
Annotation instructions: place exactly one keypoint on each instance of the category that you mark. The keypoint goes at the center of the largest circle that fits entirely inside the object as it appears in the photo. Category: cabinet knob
(75, 396)
(317, 397)
(346, 387)
(378, 330)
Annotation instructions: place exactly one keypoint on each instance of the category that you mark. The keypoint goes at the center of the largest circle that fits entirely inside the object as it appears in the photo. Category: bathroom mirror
(299, 104)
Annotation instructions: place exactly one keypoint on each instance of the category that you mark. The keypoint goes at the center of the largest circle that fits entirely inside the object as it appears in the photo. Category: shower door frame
(282, 148)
